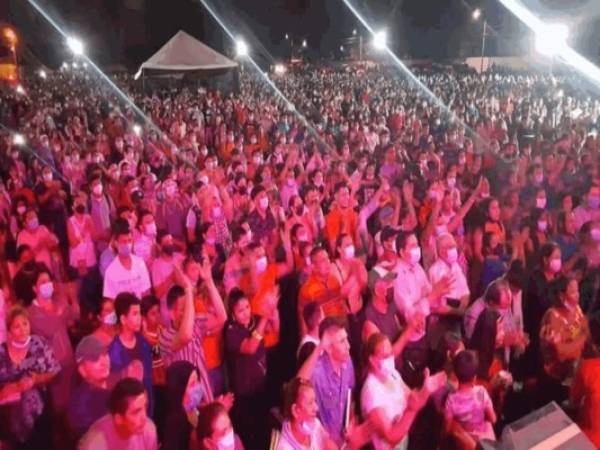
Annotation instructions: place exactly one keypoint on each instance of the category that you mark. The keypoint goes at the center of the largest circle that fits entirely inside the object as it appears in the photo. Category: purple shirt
(332, 395)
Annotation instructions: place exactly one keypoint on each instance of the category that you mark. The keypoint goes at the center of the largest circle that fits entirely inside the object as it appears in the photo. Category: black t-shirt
(86, 405)
(248, 372)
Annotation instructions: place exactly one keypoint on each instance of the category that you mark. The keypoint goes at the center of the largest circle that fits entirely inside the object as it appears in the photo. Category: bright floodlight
(341, 48)
(354, 32)
(287, 36)
(137, 129)
(551, 40)
(241, 48)
(304, 43)
(380, 40)
(18, 139)
(75, 65)
(42, 74)
(280, 69)
(476, 14)
(20, 89)
(85, 65)
(75, 45)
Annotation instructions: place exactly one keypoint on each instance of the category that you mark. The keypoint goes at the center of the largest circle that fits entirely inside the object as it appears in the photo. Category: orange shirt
(225, 150)
(266, 282)
(496, 228)
(327, 294)
(586, 385)
(341, 221)
(211, 344)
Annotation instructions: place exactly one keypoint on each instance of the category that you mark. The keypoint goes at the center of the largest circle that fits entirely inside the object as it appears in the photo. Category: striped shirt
(192, 352)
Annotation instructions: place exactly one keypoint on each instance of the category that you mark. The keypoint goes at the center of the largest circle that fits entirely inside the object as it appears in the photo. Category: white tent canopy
(185, 53)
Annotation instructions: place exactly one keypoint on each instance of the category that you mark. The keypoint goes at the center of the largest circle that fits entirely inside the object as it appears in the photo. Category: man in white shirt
(127, 272)
(413, 294)
(446, 266)
(449, 308)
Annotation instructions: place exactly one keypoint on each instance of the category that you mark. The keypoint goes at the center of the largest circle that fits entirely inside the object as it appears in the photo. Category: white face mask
(555, 265)
(98, 189)
(151, 229)
(308, 427)
(451, 182)
(264, 202)
(452, 255)
(46, 290)
(349, 252)
(47, 176)
(110, 319)
(415, 255)
(540, 202)
(542, 226)
(261, 264)
(387, 366)
(21, 345)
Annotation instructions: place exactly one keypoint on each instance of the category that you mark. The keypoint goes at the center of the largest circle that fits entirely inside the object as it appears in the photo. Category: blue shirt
(121, 357)
(332, 395)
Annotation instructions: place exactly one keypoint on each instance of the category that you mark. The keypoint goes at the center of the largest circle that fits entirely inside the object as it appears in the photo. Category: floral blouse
(24, 412)
(560, 328)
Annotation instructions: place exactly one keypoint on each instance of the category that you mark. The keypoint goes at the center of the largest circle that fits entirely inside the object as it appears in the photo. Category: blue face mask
(593, 201)
(194, 397)
(125, 250)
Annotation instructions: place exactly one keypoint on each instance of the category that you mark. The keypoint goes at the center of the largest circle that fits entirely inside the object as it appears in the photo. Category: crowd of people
(362, 261)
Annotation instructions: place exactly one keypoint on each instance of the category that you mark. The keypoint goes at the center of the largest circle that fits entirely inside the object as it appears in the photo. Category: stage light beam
(75, 45)
(380, 40)
(241, 48)
(551, 39)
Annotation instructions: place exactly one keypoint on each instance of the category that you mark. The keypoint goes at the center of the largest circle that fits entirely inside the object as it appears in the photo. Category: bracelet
(256, 335)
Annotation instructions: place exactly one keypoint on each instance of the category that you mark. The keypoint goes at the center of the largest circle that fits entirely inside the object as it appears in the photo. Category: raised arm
(186, 328)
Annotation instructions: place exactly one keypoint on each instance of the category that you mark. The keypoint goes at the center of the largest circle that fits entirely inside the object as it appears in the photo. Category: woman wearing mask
(389, 405)
(41, 240)
(213, 250)
(27, 364)
(538, 299)
(184, 396)
(107, 319)
(301, 428)
(567, 240)
(214, 430)
(590, 243)
(563, 334)
(247, 362)
(539, 233)
(82, 254)
(50, 316)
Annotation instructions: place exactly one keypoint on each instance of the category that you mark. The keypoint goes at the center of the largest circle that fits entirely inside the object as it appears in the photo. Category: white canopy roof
(183, 52)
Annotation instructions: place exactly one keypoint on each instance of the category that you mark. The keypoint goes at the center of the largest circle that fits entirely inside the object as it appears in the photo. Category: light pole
(476, 16)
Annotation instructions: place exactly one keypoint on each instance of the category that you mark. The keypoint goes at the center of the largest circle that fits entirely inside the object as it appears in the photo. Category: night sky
(129, 31)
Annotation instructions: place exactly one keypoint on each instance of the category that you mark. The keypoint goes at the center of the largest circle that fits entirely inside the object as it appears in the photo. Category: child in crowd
(470, 407)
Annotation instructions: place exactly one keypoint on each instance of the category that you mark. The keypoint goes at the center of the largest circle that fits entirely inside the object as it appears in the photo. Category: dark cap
(90, 348)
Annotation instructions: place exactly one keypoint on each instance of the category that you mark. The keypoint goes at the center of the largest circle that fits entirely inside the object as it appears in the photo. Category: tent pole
(143, 81)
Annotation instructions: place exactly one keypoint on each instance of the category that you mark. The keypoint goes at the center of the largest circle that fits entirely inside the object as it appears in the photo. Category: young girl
(470, 407)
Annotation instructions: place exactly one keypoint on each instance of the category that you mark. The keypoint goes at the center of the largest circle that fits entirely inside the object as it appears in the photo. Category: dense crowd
(363, 261)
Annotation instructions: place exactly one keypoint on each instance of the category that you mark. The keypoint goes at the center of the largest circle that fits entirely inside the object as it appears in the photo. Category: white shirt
(392, 397)
(459, 287)
(143, 246)
(118, 279)
(411, 289)
(317, 439)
